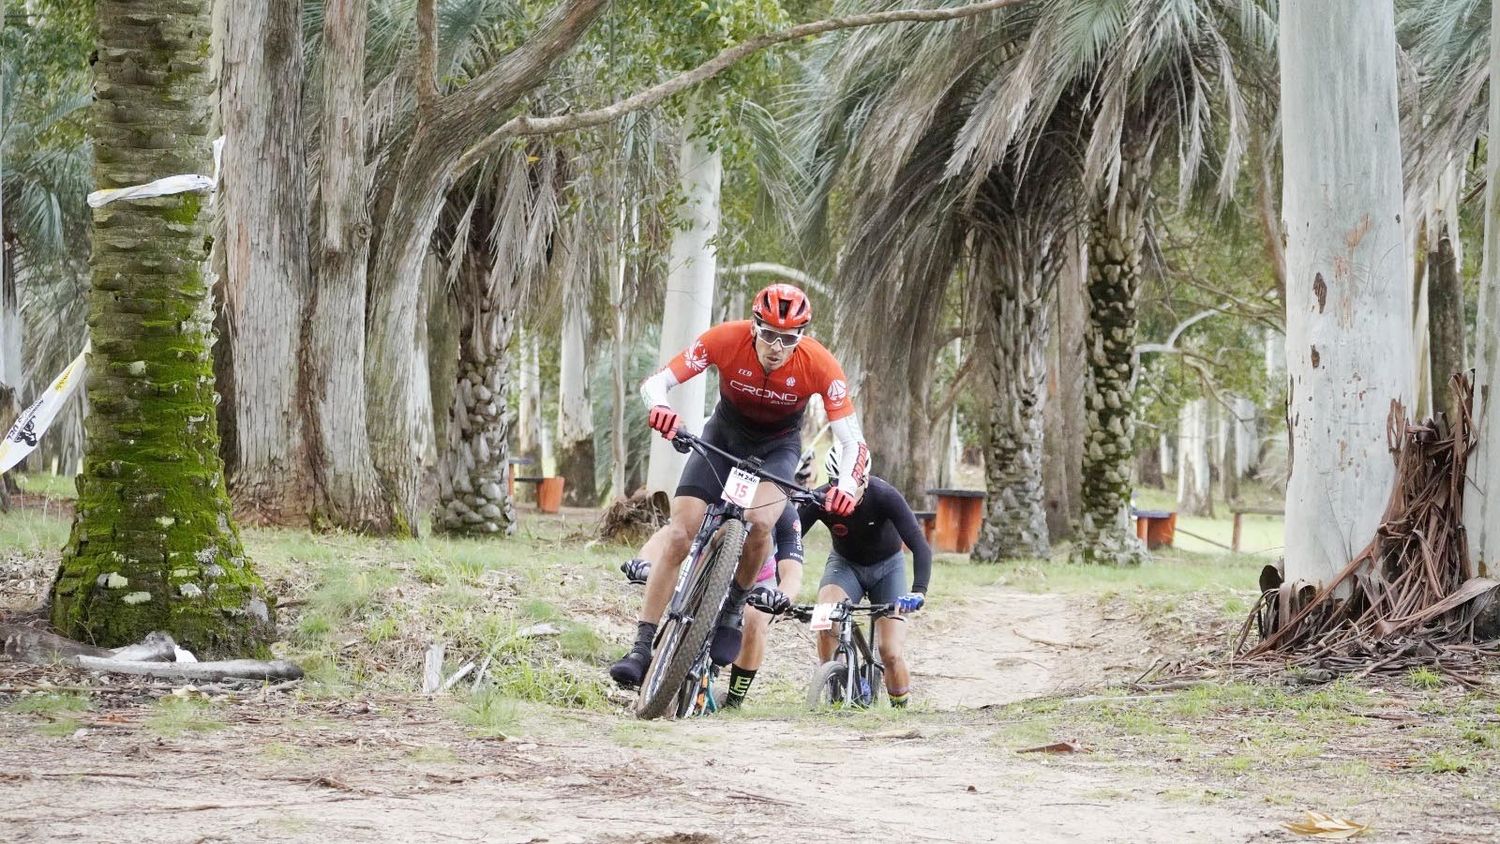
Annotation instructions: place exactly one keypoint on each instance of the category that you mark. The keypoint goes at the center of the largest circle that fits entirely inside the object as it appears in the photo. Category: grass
(176, 716)
(47, 484)
(60, 711)
(491, 713)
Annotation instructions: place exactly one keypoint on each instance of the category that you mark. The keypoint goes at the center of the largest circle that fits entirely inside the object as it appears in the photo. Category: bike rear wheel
(828, 687)
(682, 640)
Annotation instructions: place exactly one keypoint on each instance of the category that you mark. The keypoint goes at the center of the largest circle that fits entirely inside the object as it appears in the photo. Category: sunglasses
(771, 336)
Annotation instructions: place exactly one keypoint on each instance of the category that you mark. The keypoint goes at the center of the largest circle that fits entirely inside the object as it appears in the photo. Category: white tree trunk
(11, 368)
(618, 349)
(1348, 347)
(1482, 502)
(532, 438)
(1246, 427)
(1193, 476)
(575, 415)
(692, 267)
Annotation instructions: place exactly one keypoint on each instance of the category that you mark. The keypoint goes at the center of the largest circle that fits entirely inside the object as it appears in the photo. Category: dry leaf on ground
(1056, 747)
(1327, 827)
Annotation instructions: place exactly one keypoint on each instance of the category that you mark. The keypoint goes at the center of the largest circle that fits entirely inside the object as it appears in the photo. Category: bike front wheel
(829, 685)
(682, 640)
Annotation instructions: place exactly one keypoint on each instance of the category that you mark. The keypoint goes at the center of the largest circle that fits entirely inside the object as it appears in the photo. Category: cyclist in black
(867, 563)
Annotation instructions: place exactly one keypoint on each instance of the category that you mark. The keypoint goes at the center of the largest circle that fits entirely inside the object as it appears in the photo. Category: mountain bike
(854, 676)
(678, 679)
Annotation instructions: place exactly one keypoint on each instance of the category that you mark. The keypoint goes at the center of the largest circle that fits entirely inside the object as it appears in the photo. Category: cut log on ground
(233, 669)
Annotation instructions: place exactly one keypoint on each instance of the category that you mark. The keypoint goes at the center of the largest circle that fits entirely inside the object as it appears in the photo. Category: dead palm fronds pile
(1408, 598)
(631, 521)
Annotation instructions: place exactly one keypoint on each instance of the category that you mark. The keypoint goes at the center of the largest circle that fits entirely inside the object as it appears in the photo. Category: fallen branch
(432, 670)
(1040, 641)
(233, 669)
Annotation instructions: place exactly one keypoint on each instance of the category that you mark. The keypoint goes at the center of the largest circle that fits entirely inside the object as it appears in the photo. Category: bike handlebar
(803, 612)
(683, 441)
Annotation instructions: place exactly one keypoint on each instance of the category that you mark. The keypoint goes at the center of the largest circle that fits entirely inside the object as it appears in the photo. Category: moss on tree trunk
(153, 546)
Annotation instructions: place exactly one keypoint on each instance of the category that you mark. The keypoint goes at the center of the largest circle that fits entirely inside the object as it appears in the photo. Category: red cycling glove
(838, 502)
(663, 419)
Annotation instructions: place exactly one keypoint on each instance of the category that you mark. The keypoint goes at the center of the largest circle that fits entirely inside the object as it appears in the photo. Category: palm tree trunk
(1114, 284)
(153, 546)
(349, 491)
(1348, 336)
(264, 200)
(1020, 310)
(473, 489)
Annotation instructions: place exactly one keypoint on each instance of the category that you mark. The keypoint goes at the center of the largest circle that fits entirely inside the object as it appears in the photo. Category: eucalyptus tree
(1349, 354)
(1482, 505)
(153, 546)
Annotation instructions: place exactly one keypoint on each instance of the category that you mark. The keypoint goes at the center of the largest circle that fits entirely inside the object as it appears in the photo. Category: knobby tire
(827, 687)
(680, 647)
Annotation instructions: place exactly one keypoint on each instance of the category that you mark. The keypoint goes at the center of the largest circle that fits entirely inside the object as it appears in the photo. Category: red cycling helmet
(783, 307)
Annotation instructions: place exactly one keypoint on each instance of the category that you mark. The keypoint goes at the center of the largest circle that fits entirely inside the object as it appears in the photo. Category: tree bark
(421, 177)
(1148, 469)
(12, 368)
(1114, 285)
(473, 490)
(1063, 415)
(1348, 348)
(530, 428)
(1020, 314)
(1194, 495)
(575, 415)
(1482, 493)
(349, 492)
(263, 200)
(1445, 312)
(152, 545)
(692, 265)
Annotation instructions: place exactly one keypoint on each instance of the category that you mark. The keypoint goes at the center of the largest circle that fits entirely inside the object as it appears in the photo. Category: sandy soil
(384, 768)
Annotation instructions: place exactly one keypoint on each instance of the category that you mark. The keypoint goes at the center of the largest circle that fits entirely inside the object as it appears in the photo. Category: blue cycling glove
(910, 602)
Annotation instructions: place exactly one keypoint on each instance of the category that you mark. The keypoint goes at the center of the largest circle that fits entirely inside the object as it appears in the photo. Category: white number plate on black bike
(822, 617)
(741, 487)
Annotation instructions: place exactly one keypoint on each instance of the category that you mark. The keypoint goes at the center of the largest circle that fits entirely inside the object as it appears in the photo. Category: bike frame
(858, 653)
(717, 514)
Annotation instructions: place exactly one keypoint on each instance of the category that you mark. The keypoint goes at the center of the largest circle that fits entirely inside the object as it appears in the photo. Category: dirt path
(399, 770)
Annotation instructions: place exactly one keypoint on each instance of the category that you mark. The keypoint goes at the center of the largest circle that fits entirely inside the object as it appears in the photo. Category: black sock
(645, 632)
(739, 685)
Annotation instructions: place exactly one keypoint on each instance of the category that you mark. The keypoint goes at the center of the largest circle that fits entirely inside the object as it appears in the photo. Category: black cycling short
(704, 477)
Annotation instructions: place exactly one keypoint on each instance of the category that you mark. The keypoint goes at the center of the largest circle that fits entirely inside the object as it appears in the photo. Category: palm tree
(153, 546)
(46, 163)
(1132, 75)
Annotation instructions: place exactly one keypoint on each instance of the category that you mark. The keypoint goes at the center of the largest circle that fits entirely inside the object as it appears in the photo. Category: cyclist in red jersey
(768, 369)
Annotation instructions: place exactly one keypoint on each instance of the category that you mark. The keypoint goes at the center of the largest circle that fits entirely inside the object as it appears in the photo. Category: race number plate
(741, 487)
(822, 617)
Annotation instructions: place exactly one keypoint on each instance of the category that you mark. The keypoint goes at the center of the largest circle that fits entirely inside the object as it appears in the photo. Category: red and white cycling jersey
(768, 401)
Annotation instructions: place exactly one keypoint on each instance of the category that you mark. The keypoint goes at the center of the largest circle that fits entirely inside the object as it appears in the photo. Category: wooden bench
(959, 515)
(1238, 511)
